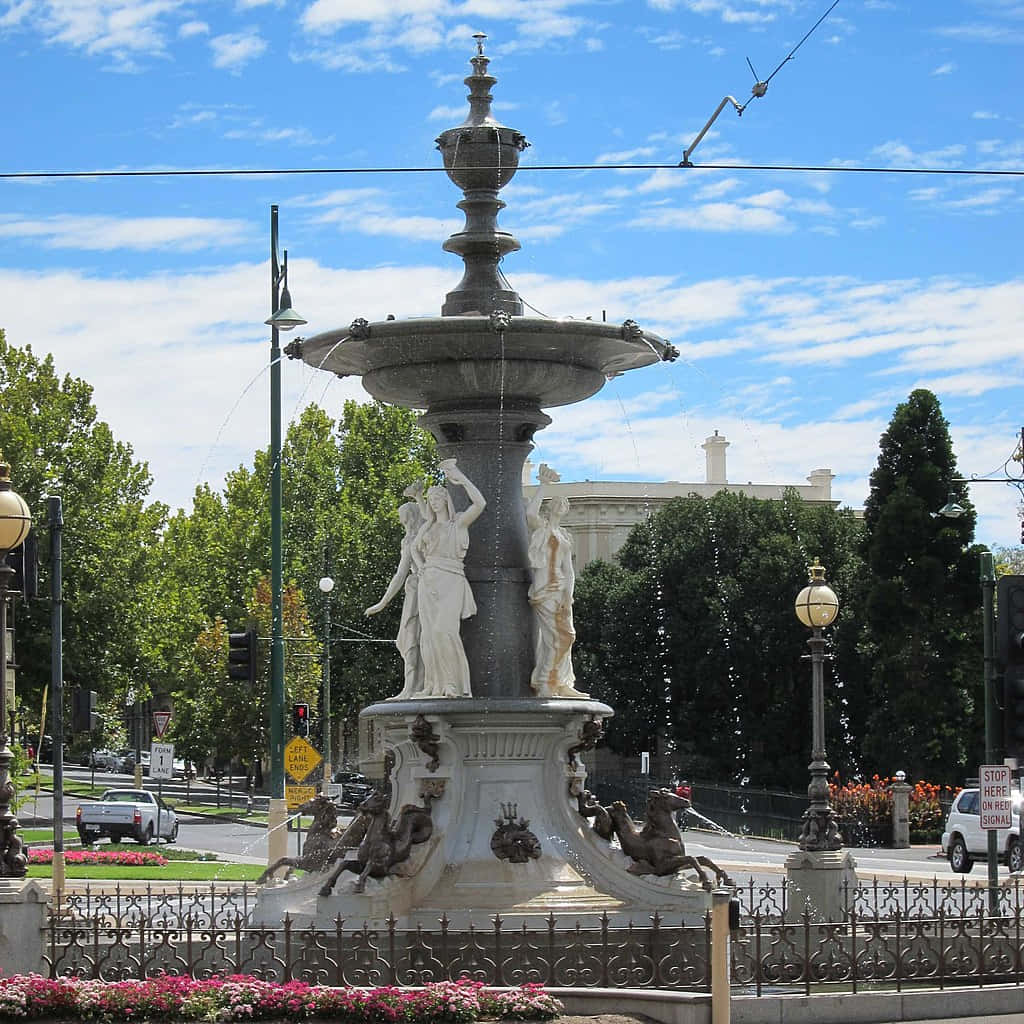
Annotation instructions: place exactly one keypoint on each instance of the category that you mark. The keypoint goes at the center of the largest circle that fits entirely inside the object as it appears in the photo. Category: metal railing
(893, 935)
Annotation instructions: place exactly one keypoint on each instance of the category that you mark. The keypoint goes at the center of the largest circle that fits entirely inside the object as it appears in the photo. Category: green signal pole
(993, 753)
(277, 845)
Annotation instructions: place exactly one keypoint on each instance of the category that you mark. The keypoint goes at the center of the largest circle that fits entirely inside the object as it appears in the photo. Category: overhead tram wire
(292, 171)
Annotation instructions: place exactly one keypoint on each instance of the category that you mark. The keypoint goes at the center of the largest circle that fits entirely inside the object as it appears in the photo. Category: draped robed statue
(551, 593)
(411, 515)
(437, 595)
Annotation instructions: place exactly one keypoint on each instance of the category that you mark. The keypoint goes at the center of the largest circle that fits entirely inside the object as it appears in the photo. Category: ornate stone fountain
(483, 807)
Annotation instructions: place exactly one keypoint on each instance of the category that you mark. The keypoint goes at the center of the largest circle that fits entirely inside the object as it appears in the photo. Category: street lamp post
(15, 521)
(326, 585)
(993, 715)
(817, 607)
(282, 318)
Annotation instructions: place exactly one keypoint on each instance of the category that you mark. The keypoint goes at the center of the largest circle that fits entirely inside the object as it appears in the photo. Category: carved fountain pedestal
(508, 837)
(498, 771)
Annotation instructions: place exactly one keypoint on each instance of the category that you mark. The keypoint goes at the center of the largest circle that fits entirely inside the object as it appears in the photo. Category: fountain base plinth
(818, 883)
(501, 780)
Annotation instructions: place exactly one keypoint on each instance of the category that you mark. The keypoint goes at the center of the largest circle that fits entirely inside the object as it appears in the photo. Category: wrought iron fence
(600, 957)
(893, 934)
(872, 953)
(220, 906)
(123, 906)
(886, 898)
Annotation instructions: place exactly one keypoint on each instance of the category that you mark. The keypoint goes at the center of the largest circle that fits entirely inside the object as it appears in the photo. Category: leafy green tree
(342, 483)
(225, 719)
(381, 452)
(50, 433)
(693, 638)
(1009, 561)
(923, 708)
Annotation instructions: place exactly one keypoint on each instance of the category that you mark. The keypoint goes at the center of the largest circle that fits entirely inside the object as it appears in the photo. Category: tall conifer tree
(922, 628)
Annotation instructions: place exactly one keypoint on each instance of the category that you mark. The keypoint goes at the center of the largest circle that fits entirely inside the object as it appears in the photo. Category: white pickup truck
(127, 812)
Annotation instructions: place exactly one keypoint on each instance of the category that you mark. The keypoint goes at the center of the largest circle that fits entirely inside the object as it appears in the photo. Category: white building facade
(602, 512)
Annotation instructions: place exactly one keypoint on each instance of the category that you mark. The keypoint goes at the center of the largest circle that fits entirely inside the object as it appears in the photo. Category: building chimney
(821, 481)
(714, 449)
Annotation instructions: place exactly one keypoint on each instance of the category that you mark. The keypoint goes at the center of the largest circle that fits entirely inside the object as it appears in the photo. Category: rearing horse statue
(324, 844)
(382, 843)
(657, 847)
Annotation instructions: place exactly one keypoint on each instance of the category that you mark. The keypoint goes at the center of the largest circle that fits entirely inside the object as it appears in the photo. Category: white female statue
(412, 516)
(554, 580)
(443, 593)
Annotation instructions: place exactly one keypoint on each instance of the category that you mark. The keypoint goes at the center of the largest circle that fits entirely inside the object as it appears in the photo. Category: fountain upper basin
(425, 362)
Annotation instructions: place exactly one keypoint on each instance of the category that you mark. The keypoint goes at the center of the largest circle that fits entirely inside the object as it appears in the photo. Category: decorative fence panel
(893, 935)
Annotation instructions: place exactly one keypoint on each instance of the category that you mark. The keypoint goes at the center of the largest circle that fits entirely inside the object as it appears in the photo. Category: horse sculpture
(324, 844)
(382, 843)
(657, 847)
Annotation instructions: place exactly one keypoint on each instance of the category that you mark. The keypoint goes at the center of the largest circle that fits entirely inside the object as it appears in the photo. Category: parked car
(355, 787)
(127, 812)
(107, 760)
(964, 841)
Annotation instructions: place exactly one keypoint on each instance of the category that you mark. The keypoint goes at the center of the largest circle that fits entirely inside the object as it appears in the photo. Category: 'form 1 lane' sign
(996, 808)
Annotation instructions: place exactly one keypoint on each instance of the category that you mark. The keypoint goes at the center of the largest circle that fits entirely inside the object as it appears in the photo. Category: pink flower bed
(122, 858)
(242, 998)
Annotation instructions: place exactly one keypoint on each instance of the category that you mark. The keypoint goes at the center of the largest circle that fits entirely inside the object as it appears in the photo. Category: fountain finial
(481, 155)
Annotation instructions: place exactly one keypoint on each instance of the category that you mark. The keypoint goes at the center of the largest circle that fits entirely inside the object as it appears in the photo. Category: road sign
(300, 758)
(296, 796)
(160, 721)
(996, 805)
(161, 761)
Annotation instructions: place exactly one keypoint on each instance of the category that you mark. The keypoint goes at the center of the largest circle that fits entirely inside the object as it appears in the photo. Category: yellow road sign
(296, 796)
(300, 758)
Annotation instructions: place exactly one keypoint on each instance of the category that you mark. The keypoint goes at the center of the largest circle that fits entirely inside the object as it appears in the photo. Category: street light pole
(326, 585)
(817, 607)
(993, 755)
(15, 522)
(55, 512)
(282, 317)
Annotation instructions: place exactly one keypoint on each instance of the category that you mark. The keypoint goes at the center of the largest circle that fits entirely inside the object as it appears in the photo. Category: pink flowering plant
(243, 998)
(122, 858)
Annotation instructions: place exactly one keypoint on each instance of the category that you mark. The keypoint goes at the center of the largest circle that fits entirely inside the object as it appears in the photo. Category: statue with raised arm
(412, 515)
(551, 591)
(443, 592)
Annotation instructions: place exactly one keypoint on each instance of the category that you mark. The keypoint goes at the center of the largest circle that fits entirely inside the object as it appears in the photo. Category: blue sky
(805, 305)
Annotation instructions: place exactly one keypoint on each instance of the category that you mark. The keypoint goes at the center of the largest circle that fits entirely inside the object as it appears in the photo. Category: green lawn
(45, 835)
(176, 871)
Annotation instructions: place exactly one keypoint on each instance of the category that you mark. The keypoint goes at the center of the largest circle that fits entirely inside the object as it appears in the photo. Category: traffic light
(83, 711)
(300, 719)
(24, 560)
(242, 656)
(1010, 652)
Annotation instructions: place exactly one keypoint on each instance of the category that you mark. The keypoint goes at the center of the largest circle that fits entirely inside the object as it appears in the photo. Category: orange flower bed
(870, 803)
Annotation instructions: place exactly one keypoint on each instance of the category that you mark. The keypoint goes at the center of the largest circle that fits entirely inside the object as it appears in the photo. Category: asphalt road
(744, 858)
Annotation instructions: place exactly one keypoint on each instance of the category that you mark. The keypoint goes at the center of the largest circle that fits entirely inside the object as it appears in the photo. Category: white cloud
(983, 32)
(713, 217)
(945, 69)
(898, 154)
(141, 234)
(119, 29)
(329, 14)
(455, 112)
(258, 131)
(625, 156)
(189, 29)
(236, 49)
